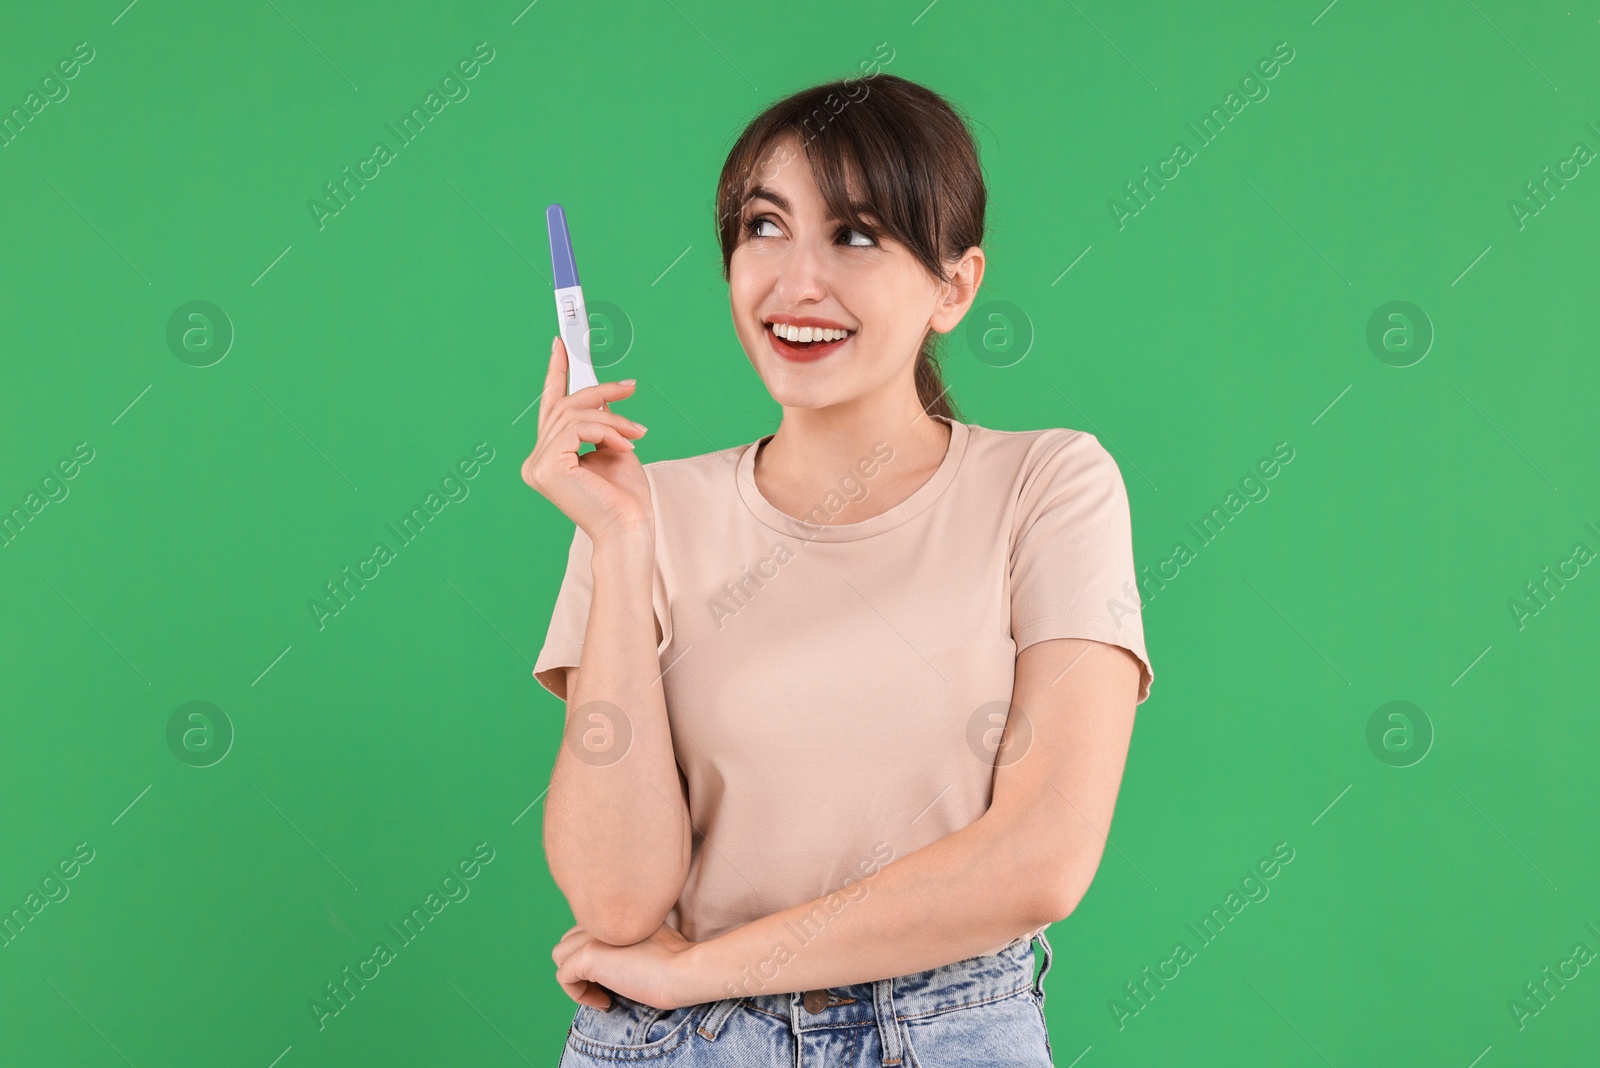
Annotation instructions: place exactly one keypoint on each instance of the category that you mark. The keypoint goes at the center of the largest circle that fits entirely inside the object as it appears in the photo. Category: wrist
(694, 978)
(631, 551)
(629, 540)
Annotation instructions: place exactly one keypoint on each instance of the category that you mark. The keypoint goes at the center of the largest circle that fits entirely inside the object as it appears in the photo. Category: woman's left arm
(1025, 862)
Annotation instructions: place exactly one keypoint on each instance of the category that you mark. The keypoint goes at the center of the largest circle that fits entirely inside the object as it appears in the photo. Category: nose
(802, 275)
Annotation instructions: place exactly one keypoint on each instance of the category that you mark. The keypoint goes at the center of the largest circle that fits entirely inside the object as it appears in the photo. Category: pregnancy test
(570, 312)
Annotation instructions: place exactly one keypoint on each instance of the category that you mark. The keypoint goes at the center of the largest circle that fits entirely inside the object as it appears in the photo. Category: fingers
(592, 396)
(554, 401)
(555, 386)
(583, 991)
(555, 379)
(597, 433)
(560, 363)
(569, 943)
(586, 993)
(558, 431)
(567, 973)
(582, 415)
(566, 944)
(594, 994)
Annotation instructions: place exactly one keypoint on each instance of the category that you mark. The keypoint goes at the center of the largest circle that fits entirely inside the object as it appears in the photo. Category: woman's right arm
(617, 834)
(616, 825)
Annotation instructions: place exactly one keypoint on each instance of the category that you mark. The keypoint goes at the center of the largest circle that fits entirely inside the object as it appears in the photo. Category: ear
(957, 295)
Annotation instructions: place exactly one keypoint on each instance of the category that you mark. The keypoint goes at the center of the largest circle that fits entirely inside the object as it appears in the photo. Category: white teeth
(808, 333)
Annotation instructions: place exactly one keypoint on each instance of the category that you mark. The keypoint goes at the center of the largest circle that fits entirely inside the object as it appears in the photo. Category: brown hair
(916, 164)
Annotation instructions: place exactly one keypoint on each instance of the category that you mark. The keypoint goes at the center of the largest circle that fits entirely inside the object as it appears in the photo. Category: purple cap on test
(565, 267)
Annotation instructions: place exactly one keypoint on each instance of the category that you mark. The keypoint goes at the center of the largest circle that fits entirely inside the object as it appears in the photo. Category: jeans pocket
(630, 1030)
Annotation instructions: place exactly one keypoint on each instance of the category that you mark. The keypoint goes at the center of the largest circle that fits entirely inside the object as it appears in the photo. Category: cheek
(748, 282)
(738, 281)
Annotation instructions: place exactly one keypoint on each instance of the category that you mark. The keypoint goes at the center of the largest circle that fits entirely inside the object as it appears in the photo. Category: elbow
(620, 924)
(1052, 906)
(621, 915)
(1059, 889)
(619, 908)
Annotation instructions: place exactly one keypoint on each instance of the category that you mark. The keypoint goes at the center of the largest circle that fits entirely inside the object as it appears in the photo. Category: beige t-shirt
(836, 692)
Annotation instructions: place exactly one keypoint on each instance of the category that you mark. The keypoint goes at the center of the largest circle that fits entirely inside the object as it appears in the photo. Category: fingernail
(641, 426)
(628, 381)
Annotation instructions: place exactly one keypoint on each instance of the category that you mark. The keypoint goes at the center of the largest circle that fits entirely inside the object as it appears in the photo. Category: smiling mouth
(803, 350)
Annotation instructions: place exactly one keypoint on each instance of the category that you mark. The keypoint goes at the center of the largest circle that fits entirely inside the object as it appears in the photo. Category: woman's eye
(752, 226)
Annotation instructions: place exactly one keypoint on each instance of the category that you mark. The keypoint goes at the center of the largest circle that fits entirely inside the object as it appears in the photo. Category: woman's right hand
(606, 492)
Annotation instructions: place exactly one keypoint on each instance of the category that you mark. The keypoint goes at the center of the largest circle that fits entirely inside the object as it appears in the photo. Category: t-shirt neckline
(925, 495)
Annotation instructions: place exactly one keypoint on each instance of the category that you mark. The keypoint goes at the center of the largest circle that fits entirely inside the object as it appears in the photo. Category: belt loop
(888, 1025)
(1038, 983)
(717, 1015)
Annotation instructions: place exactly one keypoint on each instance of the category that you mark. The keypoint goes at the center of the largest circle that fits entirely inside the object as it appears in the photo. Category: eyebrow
(761, 191)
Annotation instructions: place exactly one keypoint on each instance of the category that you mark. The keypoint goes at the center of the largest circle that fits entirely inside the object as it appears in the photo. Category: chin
(792, 394)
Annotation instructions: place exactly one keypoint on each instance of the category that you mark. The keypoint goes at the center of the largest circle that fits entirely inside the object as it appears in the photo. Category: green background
(369, 755)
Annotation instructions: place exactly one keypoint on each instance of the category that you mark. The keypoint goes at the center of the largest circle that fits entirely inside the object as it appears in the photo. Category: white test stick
(571, 314)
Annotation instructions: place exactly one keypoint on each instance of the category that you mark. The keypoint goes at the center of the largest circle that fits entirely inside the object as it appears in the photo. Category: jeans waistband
(974, 981)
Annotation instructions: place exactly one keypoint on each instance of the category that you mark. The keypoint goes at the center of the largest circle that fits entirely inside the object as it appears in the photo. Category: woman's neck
(810, 460)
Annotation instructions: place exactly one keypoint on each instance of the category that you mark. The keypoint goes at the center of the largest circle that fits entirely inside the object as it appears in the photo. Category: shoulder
(694, 475)
(1051, 453)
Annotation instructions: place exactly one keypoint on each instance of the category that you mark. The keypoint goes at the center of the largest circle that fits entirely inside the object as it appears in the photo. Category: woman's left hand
(649, 972)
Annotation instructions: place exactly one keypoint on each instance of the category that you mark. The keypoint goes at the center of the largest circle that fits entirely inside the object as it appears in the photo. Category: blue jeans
(983, 1011)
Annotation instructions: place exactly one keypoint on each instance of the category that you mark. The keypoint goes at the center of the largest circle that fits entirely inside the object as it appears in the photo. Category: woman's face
(794, 265)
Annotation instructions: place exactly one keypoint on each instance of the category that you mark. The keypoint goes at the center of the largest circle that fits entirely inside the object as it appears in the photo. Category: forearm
(617, 833)
(967, 894)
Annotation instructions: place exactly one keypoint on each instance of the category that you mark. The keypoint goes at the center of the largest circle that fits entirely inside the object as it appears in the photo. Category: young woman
(855, 698)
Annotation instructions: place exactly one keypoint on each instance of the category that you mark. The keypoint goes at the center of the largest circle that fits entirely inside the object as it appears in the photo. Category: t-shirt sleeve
(1072, 573)
(569, 619)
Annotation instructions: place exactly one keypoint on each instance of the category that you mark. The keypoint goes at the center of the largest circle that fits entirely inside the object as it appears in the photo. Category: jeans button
(815, 1001)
